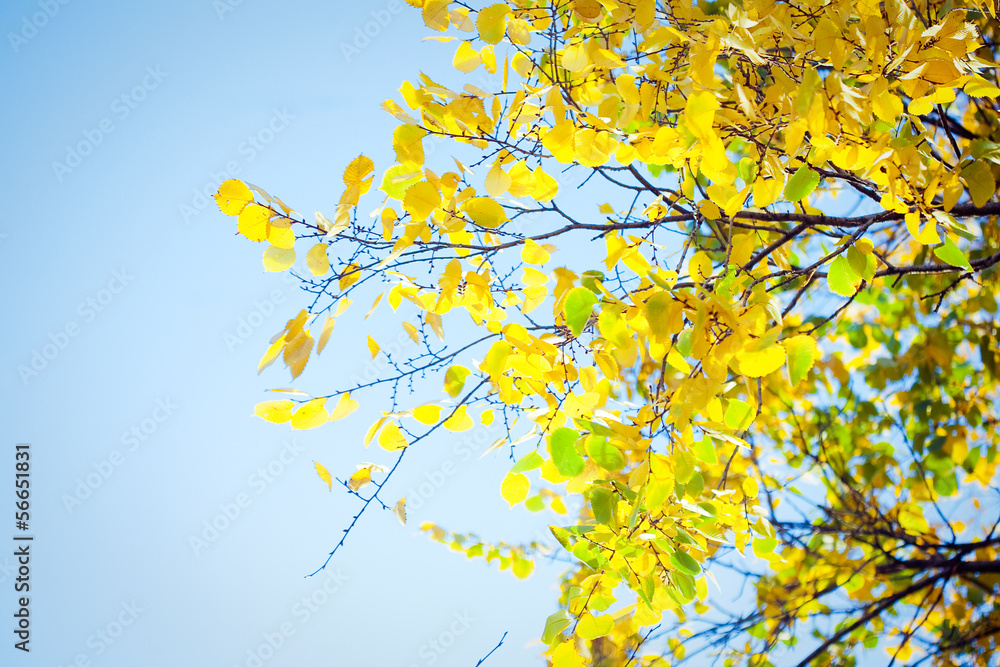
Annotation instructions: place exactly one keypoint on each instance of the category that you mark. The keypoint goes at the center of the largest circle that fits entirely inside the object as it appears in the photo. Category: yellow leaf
(519, 32)
(466, 58)
(625, 84)
(271, 354)
(359, 174)
(546, 187)
(532, 253)
(427, 414)
(750, 487)
(391, 439)
(400, 510)
(412, 332)
(345, 406)
(436, 14)
(459, 420)
(233, 196)
(324, 474)
(574, 57)
(434, 320)
(297, 352)
(497, 180)
(278, 259)
(373, 430)
(324, 335)
(311, 414)
(276, 412)
(514, 488)
(407, 140)
(360, 479)
(980, 87)
(559, 141)
(758, 363)
(350, 275)
(373, 347)
(253, 222)
(421, 198)
(316, 259)
(592, 147)
(485, 212)
(281, 237)
(699, 113)
(388, 223)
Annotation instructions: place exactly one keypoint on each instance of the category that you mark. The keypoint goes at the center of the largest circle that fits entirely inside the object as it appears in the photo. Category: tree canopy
(724, 272)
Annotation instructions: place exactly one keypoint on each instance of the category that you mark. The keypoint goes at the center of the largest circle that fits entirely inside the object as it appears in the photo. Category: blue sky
(124, 285)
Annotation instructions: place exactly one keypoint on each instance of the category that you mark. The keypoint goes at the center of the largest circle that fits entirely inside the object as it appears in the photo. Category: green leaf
(578, 307)
(949, 253)
(979, 178)
(801, 184)
(857, 260)
(604, 453)
(748, 170)
(685, 562)
(841, 277)
(555, 624)
(591, 280)
(603, 503)
(562, 446)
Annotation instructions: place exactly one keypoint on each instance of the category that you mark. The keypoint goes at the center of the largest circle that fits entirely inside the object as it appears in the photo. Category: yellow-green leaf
(492, 23)
(801, 184)
(454, 379)
(802, 353)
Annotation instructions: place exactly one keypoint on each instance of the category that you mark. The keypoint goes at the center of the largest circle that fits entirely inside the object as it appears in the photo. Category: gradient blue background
(224, 75)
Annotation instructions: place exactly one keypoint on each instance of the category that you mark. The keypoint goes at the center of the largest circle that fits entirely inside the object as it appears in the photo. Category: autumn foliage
(729, 275)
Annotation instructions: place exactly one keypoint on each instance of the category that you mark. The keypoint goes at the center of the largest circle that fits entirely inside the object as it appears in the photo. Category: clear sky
(124, 290)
